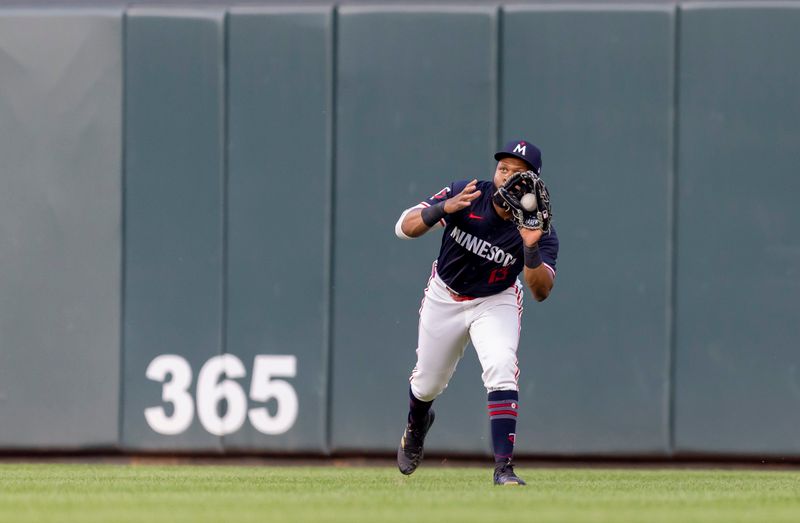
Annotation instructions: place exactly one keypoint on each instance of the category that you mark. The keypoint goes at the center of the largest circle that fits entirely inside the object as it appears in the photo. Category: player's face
(506, 167)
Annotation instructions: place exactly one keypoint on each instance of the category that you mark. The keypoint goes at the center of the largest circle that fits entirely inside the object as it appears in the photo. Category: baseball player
(473, 294)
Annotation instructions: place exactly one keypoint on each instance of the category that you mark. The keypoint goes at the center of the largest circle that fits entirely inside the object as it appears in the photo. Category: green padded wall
(593, 87)
(60, 216)
(738, 246)
(415, 110)
(174, 145)
(279, 167)
(214, 191)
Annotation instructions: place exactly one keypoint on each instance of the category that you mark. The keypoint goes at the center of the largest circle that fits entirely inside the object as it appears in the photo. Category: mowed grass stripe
(182, 493)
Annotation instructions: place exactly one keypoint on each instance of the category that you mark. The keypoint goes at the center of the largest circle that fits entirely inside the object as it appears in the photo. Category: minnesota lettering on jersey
(481, 247)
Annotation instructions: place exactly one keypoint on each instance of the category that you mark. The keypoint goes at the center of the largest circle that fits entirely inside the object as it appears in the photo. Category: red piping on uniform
(518, 291)
(427, 286)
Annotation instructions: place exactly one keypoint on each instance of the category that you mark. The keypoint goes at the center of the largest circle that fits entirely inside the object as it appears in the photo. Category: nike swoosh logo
(475, 216)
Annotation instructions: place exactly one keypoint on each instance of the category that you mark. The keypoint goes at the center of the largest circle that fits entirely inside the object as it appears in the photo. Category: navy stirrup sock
(503, 406)
(417, 409)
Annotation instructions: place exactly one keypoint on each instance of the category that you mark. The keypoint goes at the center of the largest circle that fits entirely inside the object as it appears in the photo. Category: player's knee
(501, 375)
(426, 389)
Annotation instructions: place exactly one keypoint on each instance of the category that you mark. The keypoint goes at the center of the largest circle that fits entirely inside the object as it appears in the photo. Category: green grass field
(183, 493)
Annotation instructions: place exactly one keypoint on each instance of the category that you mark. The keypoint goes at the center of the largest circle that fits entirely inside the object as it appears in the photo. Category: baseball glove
(529, 212)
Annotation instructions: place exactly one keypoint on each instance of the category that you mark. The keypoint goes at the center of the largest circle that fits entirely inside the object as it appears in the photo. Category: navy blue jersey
(481, 253)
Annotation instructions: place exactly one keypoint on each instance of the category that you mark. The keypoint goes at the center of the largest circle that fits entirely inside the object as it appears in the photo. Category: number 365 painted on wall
(211, 389)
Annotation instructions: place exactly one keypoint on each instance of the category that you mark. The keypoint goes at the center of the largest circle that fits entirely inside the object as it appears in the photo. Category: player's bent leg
(495, 334)
(441, 343)
(442, 338)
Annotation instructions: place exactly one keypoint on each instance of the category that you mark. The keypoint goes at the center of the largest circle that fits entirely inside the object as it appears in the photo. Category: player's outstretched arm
(416, 222)
(537, 276)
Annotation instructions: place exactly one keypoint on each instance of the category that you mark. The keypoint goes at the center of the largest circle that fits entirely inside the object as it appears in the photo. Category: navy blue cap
(525, 151)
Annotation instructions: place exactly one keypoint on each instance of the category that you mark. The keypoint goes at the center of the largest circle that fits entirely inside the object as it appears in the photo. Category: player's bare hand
(463, 199)
(530, 237)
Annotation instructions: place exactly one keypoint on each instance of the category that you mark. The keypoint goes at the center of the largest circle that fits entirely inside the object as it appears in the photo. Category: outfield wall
(198, 208)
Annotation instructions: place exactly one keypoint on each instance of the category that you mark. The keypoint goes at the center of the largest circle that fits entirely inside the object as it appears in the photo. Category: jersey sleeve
(548, 249)
(445, 194)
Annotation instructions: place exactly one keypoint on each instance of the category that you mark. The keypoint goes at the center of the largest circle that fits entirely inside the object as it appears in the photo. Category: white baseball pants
(446, 325)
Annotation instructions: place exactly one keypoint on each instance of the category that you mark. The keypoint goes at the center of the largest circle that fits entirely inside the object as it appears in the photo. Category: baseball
(528, 202)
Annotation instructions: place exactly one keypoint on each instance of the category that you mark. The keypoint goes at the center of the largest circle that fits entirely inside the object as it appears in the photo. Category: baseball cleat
(504, 474)
(409, 454)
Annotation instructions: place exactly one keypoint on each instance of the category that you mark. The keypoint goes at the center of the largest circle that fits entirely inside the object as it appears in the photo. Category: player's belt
(458, 297)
